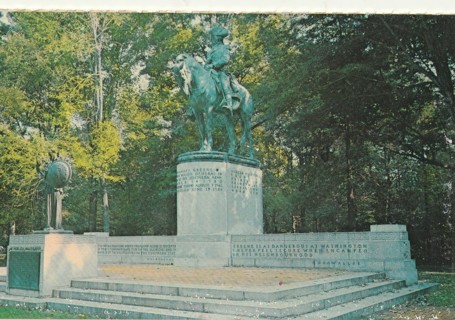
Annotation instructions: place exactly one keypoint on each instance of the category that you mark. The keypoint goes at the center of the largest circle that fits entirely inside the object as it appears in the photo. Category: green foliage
(445, 295)
(105, 147)
(18, 178)
(354, 121)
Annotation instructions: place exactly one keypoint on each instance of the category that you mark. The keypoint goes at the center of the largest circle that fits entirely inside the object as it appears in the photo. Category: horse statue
(205, 99)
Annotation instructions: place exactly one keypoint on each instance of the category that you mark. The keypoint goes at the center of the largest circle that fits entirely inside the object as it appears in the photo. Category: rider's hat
(219, 31)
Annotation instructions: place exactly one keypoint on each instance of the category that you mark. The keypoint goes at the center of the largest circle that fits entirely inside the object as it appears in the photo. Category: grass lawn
(23, 313)
(445, 296)
(439, 304)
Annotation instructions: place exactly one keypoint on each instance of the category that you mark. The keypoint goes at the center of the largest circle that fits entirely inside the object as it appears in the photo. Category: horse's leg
(229, 122)
(209, 128)
(200, 125)
(249, 138)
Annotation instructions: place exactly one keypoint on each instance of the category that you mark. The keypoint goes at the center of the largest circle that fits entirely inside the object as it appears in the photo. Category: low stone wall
(385, 248)
(136, 250)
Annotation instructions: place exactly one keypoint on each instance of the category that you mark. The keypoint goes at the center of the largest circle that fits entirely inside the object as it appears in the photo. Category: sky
(266, 6)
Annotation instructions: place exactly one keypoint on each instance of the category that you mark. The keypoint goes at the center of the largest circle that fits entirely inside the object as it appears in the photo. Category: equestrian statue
(212, 90)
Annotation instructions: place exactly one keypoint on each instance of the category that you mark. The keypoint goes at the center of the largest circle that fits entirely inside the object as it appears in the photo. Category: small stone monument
(219, 194)
(57, 174)
(50, 258)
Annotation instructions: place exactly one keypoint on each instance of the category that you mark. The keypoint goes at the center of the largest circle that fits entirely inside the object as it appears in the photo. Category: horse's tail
(246, 102)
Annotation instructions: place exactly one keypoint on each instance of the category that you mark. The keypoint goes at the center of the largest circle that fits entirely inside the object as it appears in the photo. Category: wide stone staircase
(348, 296)
(2, 283)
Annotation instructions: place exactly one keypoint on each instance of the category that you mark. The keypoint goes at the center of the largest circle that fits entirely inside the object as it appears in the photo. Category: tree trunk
(350, 192)
(93, 204)
(106, 211)
(13, 228)
(97, 29)
(451, 221)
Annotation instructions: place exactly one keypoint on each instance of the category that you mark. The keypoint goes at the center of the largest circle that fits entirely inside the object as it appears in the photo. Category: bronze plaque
(24, 270)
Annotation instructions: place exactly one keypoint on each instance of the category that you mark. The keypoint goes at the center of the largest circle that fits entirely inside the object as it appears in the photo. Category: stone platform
(385, 249)
(133, 292)
(39, 262)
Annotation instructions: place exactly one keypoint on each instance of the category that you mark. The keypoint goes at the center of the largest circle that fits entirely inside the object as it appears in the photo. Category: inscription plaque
(298, 250)
(24, 270)
(200, 179)
(150, 253)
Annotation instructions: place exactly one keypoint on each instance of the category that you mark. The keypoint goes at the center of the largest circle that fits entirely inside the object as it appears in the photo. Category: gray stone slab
(126, 286)
(388, 228)
(282, 308)
(370, 305)
(402, 269)
(233, 293)
(136, 250)
(117, 311)
(218, 198)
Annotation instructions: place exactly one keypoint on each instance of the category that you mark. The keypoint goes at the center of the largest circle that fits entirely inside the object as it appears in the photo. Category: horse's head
(182, 72)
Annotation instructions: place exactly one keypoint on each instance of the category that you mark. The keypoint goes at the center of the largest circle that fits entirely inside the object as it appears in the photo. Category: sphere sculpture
(57, 174)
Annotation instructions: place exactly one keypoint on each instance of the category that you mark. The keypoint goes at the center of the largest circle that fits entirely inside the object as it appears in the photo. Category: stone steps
(264, 294)
(370, 305)
(120, 311)
(250, 308)
(106, 310)
(343, 297)
(2, 283)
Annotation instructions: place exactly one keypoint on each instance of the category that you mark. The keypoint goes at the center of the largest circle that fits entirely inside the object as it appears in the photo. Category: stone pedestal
(218, 195)
(40, 262)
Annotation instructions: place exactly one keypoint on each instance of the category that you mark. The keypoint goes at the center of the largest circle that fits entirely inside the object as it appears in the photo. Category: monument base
(40, 262)
(218, 194)
(203, 251)
(385, 248)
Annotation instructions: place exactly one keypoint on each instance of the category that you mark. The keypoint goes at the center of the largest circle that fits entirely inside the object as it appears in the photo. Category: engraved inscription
(37, 248)
(300, 250)
(338, 263)
(245, 182)
(137, 249)
(200, 179)
(149, 253)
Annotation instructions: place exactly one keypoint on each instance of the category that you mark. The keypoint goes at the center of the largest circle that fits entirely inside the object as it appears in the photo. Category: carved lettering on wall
(245, 182)
(300, 250)
(152, 250)
(200, 179)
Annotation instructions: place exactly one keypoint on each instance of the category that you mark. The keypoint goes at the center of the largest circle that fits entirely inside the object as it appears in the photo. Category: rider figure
(218, 57)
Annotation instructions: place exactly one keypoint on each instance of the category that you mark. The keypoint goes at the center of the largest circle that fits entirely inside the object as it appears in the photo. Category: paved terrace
(225, 277)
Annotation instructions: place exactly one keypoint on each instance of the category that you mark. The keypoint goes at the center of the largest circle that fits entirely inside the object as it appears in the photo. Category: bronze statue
(217, 58)
(211, 90)
(56, 175)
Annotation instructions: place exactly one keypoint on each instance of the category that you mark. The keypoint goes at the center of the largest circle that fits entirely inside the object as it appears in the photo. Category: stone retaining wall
(136, 250)
(385, 248)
